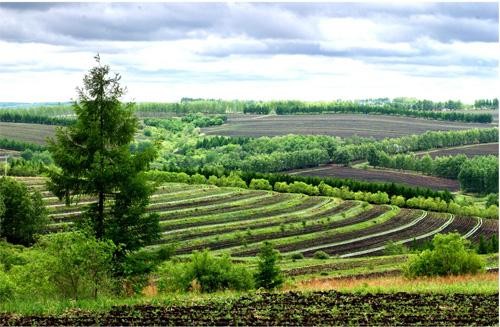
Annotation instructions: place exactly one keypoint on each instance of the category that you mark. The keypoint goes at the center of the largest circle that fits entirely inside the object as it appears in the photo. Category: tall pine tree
(94, 159)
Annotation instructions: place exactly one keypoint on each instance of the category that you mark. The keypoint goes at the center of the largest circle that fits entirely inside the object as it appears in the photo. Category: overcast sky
(324, 51)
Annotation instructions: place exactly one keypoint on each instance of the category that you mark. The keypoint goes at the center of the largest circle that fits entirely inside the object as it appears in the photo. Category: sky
(259, 51)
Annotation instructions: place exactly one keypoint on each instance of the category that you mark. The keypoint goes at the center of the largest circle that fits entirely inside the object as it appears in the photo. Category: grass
(482, 283)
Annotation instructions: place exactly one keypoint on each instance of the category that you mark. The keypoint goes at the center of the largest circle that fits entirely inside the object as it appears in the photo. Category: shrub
(321, 255)
(450, 255)
(198, 179)
(260, 184)
(297, 256)
(6, 285)
(269, 274)
(281, 187)
(79, 265)
(301, 187)
(22, 214)
(212, 180)
(392, 248)
(205, 273)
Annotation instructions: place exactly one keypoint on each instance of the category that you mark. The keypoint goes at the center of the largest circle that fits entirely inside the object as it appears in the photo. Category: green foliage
(268, 275)
(480, 175)
(398, 200)
(486, 104)
(487, 245)
(322, 255)
(9, 144)
(94, 158)
(420, 109)
(66, 265)
(260, 184)
(492, 199)
(10, 255)
(198, 179)
(199, 120)
(450, 256)
(31, 117)
(6, 285)
(392, 248)
(79, 265)
(22, 214)
(297, 256)
(301, 187)
(205, 273)
(233, 180)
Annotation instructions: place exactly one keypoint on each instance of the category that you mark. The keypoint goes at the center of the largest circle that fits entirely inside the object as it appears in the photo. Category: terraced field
(237, 221)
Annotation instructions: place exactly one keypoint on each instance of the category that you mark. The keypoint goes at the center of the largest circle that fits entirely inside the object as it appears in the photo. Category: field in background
(468, 150)
(33, 133)
(343, 125)
(380, 175)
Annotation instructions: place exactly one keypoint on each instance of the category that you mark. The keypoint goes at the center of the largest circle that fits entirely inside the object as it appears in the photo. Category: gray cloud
(66, 23)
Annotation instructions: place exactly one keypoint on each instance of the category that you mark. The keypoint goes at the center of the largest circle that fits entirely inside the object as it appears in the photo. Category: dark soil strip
(381, 175)
(424, 226)
(460, 224)
(342, 265)
(487, 230)
(398, 220)
(327, 308)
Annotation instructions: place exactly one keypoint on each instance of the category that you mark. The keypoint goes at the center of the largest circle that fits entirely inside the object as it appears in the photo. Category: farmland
(237, 221)
(380, 175)
(324, 308)
(33, 133)
(342, 125)
(468, 150)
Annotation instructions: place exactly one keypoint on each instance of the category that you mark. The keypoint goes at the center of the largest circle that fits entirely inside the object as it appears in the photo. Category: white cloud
(251, 51)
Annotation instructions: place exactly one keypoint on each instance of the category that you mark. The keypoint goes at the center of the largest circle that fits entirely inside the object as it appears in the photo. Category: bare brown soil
(343, 125)
(380, 175)
(469, 150)
(324, 308)
(34, 133)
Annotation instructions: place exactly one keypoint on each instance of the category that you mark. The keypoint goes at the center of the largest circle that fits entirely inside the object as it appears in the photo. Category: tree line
(274, 154)
(413, 143)
(19, 117)
(478, 174)
(354, 185)
(486, 103)
(393, 108)
(10, 144)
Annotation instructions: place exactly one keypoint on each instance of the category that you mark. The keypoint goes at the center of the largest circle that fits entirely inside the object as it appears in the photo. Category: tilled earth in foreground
(293, 308)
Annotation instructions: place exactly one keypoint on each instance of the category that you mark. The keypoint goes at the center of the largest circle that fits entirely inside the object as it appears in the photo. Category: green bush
(392, 248)
(269, 274)
(6, 285)
(198, 179)
(450, 255)
(297, 256)
(321, 255)
(22, 213)
(205, 273)
(260, 184)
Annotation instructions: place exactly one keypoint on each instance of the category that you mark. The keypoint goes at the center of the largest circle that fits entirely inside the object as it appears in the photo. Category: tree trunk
(99, 225)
